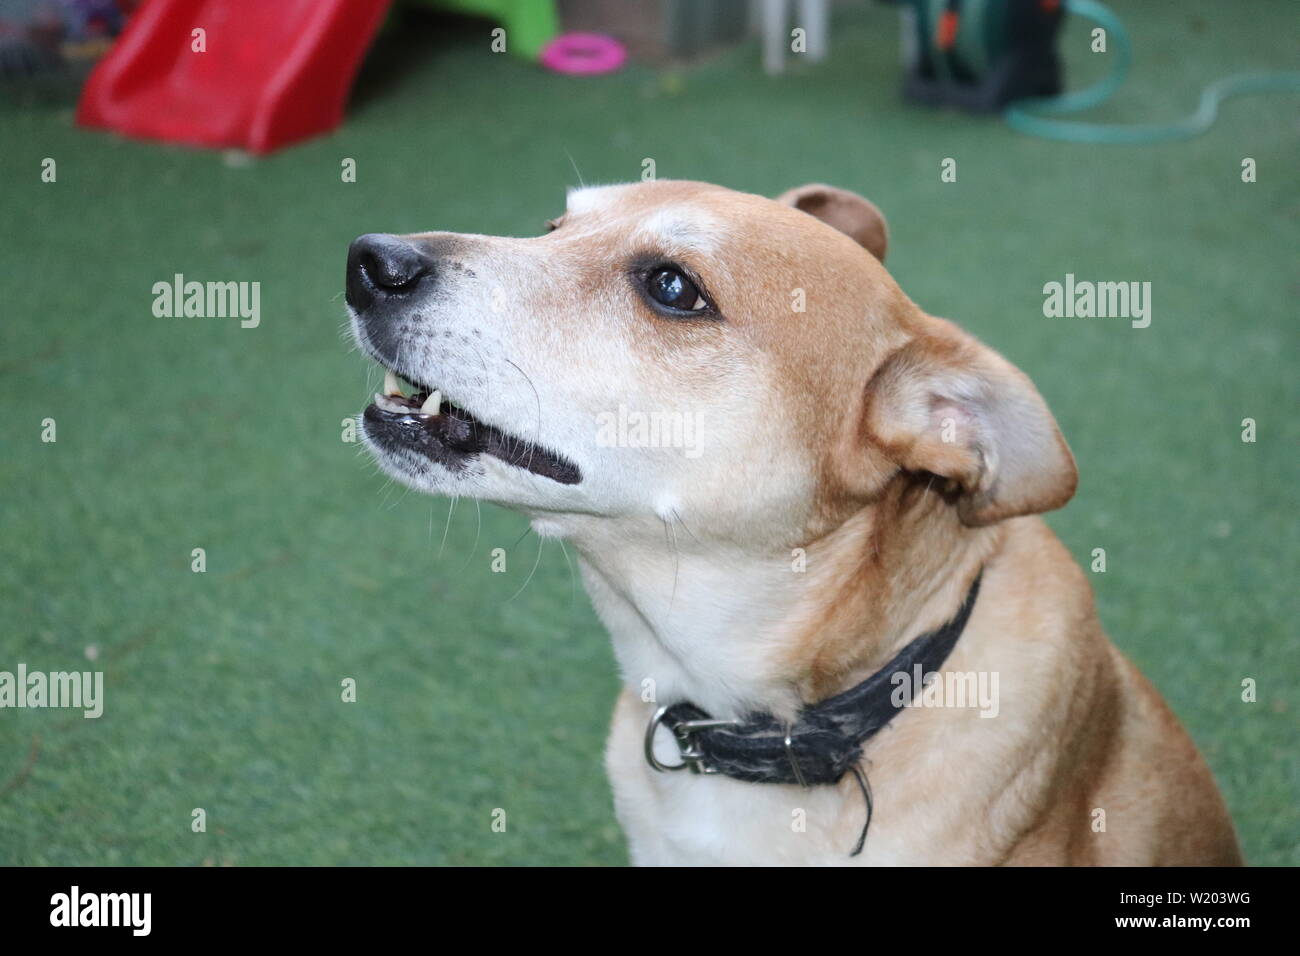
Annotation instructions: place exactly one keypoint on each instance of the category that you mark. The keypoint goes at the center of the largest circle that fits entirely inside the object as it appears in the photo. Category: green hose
(1021, 119)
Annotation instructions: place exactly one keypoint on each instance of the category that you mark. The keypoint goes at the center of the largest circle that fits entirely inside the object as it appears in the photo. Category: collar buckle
(692, 756)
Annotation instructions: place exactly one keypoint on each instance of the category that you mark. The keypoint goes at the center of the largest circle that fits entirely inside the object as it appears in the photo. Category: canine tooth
(392, 384)
(432, 404)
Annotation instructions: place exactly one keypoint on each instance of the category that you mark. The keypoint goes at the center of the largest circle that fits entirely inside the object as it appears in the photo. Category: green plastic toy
(529, 24)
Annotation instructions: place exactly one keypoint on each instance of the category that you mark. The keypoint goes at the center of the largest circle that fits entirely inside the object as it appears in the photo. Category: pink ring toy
(583, 54)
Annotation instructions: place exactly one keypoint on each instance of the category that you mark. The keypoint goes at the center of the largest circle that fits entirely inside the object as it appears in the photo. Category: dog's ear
(857, 218)
(944, 403)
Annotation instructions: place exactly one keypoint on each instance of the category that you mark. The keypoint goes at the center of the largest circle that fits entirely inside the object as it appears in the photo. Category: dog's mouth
(413, 416)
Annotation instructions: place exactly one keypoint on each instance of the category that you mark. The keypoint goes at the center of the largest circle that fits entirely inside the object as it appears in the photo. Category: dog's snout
(380, 266)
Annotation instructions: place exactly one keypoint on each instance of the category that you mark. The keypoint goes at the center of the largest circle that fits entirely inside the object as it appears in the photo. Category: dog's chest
(692, 822)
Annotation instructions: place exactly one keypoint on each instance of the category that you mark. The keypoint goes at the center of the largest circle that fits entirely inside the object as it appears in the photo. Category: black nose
(380, 266)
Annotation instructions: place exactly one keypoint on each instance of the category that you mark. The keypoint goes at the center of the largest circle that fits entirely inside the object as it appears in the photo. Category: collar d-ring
(692, 756)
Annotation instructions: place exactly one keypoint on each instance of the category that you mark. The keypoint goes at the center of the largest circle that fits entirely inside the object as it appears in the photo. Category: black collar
(825, 741)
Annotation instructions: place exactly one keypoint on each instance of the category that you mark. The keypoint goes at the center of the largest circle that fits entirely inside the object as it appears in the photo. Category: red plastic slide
(271, 72)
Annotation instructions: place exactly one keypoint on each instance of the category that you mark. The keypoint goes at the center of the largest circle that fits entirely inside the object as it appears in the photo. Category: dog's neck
(738, 631)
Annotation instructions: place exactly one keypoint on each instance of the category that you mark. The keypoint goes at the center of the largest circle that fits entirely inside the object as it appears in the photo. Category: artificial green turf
(223, 688)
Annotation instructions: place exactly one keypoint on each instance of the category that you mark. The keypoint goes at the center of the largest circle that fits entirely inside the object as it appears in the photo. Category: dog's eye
(670, 288)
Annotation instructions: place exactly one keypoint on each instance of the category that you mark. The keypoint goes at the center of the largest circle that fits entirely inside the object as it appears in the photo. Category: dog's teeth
(389, 404)
(392, 384)
(432, 404)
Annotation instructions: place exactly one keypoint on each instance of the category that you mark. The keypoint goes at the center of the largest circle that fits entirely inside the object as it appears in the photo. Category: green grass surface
(223, 688)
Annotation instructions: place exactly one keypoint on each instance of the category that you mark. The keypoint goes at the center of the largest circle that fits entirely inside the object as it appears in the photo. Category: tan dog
(777, 472)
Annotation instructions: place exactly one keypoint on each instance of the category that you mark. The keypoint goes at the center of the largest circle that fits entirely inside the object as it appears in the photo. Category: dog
(861, 507)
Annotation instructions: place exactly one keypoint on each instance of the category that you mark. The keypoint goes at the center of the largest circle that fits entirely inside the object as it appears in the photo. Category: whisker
(573, 577)
(537, 433)
(450, 509)
(538, 560)
(684, 525)
(478, 509)
(527, 532)
(576, 171)
(677, 561)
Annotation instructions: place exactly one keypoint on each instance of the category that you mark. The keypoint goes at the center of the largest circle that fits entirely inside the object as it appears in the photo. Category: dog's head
(675, 350)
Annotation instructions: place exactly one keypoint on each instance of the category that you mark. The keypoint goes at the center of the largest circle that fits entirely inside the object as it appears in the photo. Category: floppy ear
(857, 218)
(946, 404)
